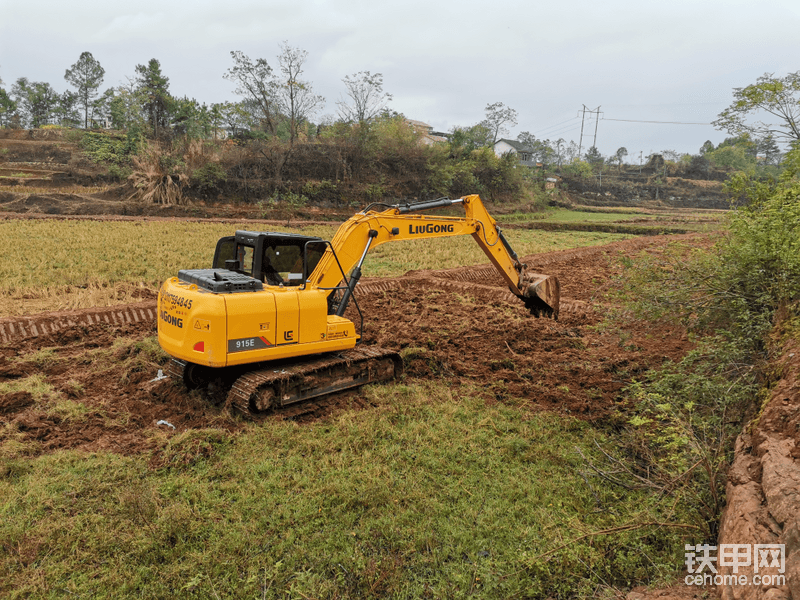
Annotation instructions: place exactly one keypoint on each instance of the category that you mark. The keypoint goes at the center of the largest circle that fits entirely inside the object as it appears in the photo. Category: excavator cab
(277, 259)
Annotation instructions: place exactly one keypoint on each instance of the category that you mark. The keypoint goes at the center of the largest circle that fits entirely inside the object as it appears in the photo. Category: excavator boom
(368, 229)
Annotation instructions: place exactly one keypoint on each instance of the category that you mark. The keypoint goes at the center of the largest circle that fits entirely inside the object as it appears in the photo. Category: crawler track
(276, 386)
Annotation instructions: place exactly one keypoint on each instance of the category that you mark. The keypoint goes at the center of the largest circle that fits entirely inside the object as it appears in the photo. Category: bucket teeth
(541, 294)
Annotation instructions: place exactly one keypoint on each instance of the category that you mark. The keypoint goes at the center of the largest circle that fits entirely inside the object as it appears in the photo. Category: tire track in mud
(18, 328)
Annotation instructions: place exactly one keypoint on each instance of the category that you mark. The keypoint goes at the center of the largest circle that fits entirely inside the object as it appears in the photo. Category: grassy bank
(432, 493)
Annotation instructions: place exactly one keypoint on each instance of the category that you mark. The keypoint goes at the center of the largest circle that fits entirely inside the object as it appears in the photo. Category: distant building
(428, 136)
(100, 122)
(524, 153)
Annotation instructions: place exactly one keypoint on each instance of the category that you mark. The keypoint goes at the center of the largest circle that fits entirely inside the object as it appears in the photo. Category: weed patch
(426, 494)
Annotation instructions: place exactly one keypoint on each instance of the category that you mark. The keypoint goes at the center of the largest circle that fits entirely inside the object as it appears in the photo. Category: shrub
(209, 176)
(107, 148)
(685, 417)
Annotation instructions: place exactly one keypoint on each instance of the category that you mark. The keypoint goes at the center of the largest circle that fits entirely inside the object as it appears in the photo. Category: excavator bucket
(541, 294)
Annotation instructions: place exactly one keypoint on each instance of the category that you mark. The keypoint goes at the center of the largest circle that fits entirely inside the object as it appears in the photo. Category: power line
(556, 125)
(565, 129)
(664, 122)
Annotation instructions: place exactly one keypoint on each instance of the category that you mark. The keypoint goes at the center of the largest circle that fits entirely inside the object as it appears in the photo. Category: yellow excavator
(267, 322)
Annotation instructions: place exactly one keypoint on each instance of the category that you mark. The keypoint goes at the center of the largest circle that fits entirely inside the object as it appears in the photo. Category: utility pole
(596, 122)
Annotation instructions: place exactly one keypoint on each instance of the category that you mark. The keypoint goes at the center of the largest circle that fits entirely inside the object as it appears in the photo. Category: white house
(524, 153)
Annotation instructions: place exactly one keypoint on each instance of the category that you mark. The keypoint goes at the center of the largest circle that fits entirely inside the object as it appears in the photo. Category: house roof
(518, 146)
(419, 125)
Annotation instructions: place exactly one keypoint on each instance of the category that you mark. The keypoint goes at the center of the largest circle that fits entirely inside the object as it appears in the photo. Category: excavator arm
(370, 228)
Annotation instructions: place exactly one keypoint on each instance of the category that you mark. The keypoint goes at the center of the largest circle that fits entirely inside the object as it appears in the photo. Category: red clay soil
(461, 327)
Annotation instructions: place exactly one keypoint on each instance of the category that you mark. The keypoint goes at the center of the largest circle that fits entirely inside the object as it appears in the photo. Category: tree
(463, 140)
(571, 151)
(66, 111)
(152, 87)
(778, 97)
(498, 115)
(7, 107)
(593, 157)
(215, 118)
(236, 116)
(297, 98)
(541, 150)
(367, 99)
(732, 156)
(86, 76)
(125, 109)
(708, 146)
(101, 106)
(560, 150)
(36, 100)
(255, 82)
(187, 117)
(620, 154)
(671, 155)
(769, 150)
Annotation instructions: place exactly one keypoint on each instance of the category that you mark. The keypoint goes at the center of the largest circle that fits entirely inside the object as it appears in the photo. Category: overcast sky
(443, 60)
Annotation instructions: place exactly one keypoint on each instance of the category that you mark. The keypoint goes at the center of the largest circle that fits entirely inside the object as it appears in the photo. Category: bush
(158, 177)
(209, 176)
(685, 417)
(577, 168)
(107, 148)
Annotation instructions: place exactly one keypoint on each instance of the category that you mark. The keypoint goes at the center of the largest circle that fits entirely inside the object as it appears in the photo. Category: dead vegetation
(156, 180)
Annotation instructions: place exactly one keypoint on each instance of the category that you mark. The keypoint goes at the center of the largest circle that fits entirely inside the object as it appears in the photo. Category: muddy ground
(98, 387)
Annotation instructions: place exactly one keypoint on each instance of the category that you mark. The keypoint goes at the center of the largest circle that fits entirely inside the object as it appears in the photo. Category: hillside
(48, 172)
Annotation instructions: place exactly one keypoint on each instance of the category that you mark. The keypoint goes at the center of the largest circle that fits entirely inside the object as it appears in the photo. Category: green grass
(35, 385)
(563, 215)
(695, 220)
(432, 493)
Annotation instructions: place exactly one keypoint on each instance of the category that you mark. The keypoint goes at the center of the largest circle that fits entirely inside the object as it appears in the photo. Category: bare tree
(498, 115)
(297, 98)
(256, 82)
(366, 97)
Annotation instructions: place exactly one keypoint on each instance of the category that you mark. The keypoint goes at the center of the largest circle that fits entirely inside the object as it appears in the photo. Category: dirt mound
(88, 379)
(763, 498)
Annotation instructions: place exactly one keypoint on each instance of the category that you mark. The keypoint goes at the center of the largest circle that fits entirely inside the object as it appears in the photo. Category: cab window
(245, 258)
(286, 260)
(226, 250)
